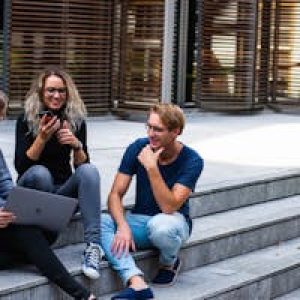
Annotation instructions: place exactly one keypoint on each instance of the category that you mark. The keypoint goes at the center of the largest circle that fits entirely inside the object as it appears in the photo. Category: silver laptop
(47, 210)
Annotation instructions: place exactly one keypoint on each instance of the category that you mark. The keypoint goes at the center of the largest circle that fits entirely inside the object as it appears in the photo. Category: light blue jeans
(83, 184)
(166, 232)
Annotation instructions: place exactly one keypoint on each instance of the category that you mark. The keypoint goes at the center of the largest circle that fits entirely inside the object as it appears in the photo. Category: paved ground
(235, 147)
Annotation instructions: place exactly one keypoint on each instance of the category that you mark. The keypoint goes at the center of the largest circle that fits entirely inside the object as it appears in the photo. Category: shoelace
(93, 255)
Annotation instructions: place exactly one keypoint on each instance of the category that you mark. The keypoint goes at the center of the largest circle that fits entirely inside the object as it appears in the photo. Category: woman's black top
(56, 157)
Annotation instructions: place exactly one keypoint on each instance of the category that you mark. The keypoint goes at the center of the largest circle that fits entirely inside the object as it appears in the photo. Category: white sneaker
(91, 259)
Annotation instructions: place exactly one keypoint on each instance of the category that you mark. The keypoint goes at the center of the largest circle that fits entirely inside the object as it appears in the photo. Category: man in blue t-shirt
(166, 173)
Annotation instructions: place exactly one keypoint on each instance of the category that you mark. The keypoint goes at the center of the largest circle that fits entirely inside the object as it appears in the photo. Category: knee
(40, 172)
(88, 171)
(38, 177)
(160, 228)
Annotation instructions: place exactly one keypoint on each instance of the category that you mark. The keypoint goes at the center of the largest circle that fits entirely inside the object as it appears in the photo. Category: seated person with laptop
(30, 244)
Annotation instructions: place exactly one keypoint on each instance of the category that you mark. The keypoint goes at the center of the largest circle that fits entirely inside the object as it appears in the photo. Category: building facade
(125, 55)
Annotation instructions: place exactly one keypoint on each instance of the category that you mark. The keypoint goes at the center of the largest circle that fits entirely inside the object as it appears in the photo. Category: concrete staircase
(245, 245)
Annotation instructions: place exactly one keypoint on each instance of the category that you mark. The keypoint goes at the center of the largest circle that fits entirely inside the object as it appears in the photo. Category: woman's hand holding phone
(48, 115)
(49, 124)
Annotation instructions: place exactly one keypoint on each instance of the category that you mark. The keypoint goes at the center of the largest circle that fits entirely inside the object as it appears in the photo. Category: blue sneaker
(91, 259)
(167, 277)
(130, 293)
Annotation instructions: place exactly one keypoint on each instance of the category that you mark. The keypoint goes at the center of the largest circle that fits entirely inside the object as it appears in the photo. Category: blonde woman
(50, 144)
(19, 244)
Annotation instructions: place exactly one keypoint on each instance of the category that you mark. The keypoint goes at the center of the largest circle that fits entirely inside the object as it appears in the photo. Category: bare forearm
(35, 150)
(46, 131)
(123, 240)
(116, 209)
(79, 157)
(162, 194)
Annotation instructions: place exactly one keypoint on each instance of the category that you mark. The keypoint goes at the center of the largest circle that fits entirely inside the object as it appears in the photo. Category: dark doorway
(190, 64)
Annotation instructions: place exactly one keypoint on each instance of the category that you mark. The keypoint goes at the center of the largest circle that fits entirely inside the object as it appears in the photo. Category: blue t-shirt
(185, 170)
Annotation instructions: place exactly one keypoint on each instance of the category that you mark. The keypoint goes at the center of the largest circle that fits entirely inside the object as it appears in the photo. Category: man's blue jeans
(166, 232)
(83, 184)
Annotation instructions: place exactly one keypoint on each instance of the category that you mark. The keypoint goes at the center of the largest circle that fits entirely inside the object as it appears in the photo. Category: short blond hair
(171, 115)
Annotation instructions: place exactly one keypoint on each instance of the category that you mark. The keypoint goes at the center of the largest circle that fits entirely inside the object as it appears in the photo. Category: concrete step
(229, 195)
(216, 199)
(263, 274)
(214, 238)
(294, 295)
(73, 234)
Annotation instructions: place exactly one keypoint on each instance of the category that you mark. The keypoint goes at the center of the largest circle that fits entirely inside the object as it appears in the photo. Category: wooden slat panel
(226, 54)
(286, 53)
(74, 34)
(138, 53)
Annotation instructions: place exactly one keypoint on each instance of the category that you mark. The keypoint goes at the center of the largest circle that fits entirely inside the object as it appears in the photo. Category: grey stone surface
(216, 237)
(286, 282)
(283, 188)
(238, 195)
(247, 217)
(221, 200)
(72, 234)
(237, 243)
(294, 295)
(256, 291)
(246, 277)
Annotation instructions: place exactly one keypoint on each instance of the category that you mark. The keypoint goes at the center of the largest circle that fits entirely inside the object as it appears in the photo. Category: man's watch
(78, 146)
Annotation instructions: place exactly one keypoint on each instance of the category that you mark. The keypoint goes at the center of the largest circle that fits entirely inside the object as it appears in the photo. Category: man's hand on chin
(149, 158)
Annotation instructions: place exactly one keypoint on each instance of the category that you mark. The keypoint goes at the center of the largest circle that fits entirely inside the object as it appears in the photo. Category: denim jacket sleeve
(6, 182)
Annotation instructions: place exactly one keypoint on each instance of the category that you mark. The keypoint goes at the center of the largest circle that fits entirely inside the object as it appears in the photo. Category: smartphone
(49, 114)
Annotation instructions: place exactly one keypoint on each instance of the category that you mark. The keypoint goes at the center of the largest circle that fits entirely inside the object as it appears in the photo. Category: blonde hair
(74, 112)
(171, 115)
(3, 104)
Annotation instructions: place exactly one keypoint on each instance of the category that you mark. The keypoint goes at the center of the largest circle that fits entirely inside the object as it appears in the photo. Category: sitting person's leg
(37, 177)
(125, 265)
(168, 233)
(85, 185)
(8, 257)
(7, 260)
(33, 244)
